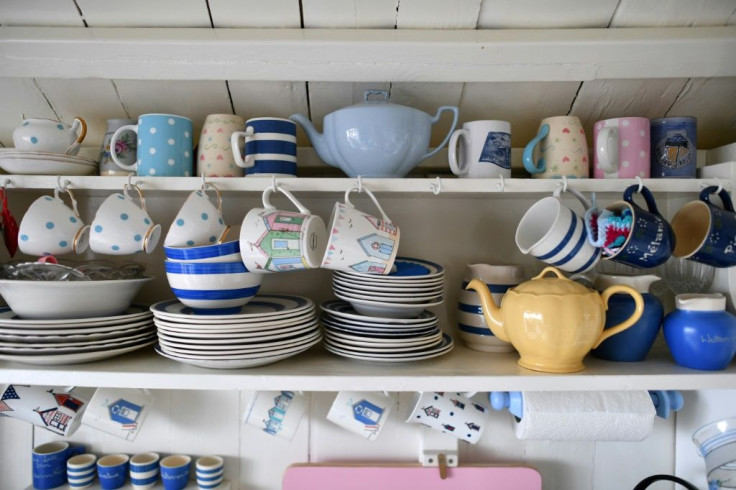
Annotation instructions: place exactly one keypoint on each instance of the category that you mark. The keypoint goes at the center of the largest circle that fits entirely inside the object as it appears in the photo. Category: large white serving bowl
(70, 299)
(212, 287)
(219, 252)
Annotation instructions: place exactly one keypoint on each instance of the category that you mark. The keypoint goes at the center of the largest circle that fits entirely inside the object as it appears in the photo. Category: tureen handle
(436, 118)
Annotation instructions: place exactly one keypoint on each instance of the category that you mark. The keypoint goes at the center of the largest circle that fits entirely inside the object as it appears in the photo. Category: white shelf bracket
(438, 450)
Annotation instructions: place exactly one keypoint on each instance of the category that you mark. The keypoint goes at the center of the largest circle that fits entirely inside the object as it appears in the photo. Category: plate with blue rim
(8, 318)
(262, 306)
(404, 269)
(344, 309)
(442, 348)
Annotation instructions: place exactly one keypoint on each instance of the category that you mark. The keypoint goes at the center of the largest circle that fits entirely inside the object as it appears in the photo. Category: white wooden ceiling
(711, 100)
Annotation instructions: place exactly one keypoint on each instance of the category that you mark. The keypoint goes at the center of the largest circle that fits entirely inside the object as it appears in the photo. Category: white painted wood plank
(523, 14)
(428, 97)
(93, 99)
(686, 13)
(188, 98)
(40, 13)
(713, 102)
(16, 441)
(144, 13)
(360, 14)
(361, 54)
(524, 104)
(604, 99)
(255, 13)
(270, 99)
(20, 96)
(265, 457)
(437, 14)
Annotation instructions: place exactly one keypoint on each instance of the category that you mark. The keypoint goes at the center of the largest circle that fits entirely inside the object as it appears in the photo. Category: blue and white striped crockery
(209, 472)
(144, 470)
(555, 234)
(81, 470)
(270, 146)
(212, 287)
(219, 252)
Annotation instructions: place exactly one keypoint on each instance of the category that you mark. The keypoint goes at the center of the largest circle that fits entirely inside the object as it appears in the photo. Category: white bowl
(212, 287)
(69, 299)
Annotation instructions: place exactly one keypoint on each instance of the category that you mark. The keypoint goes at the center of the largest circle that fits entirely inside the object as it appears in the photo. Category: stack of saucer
(43, 163)
(412, 286)
(268, 329)
(350, 334)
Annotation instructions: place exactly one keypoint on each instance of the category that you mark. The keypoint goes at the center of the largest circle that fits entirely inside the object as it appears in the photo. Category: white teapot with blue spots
(49, 135)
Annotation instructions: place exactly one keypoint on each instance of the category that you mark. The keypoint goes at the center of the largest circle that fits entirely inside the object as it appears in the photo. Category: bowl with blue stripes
(219, 252)
(216, 288)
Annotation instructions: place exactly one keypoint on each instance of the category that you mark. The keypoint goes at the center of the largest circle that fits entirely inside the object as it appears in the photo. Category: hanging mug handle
(373, 198)
(267, 201)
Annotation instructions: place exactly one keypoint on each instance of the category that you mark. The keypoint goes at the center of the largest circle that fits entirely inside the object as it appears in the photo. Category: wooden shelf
(318, 370)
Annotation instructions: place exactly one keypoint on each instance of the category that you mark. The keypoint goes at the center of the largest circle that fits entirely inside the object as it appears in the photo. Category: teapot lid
(559, 285)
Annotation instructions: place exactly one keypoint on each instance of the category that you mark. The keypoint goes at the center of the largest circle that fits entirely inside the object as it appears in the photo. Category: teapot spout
(491, 311)
(317, 138)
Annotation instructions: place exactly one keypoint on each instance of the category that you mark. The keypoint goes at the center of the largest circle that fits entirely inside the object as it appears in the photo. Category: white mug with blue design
(270, 147)
(123, 227)
(481, 149)
(199, 221)
(362, 413)
(50, 227)
(165, 147)
(450, 413)
(277, 413)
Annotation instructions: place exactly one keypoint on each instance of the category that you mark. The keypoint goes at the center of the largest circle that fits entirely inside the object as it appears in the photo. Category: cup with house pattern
(561, 148)
(50, 227)
(58, 410)
(118, 411)
(215, 153)
(481, 149)
(277, 413)
(199, 220)
(450, 413)
(273, 240)
(362, 413)
(122, 226)
(164, 146)
(359, 241)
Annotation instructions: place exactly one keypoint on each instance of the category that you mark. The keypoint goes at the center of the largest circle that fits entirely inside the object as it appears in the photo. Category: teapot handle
(82, 124)
(436, 118)
(638, 310)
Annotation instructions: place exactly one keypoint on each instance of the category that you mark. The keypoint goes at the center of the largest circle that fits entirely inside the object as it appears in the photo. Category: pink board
(341, 477)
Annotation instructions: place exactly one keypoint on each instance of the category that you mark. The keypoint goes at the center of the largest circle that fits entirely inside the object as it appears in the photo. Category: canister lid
(700, 302)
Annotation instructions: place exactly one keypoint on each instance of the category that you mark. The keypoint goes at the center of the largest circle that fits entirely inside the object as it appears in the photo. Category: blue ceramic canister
(700, 333)
(634, 343)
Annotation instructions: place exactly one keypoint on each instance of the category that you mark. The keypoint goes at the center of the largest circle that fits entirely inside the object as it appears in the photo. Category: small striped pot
(81, 470)
(210, 470)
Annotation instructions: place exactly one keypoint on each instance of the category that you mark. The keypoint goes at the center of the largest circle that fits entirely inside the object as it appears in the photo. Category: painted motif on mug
(277, 413)
(368, 414)
(373, 245)
(280, 243)
(56, 416)
(497, 149)
(675, 150)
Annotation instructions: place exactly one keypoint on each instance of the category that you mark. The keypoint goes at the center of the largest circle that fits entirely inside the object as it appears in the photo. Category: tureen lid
(377, 98)
(559, 285)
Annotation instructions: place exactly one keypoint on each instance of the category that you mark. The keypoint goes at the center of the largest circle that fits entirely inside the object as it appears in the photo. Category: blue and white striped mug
(165, 147)
(555, 234)
(270, 147)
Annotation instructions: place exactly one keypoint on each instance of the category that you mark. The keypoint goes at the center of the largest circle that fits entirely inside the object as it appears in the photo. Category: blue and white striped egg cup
(210, 471)
(81, 470)
(144, 470)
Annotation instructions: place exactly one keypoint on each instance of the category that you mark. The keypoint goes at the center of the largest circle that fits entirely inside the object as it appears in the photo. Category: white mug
(55, 409)
(123, 227)
(50, 227)
(450, 413)
(360, 412)
(276, 412)
(118, 411)
(275, 241)
(360, 242)
(199, 221)
(484, 149)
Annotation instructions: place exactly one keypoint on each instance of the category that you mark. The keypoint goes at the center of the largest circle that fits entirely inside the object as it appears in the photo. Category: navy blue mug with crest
(649, 240)
(270, 147)
(705, 232)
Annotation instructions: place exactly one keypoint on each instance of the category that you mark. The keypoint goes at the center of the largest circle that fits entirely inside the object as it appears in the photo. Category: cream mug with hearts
(562, 151)
(214, 151)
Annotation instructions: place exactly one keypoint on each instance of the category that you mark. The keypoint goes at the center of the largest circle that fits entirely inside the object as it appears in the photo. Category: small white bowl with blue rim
(215, 288)
(220, 252)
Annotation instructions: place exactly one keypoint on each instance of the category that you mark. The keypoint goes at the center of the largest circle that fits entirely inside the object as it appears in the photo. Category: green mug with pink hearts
(558, 150)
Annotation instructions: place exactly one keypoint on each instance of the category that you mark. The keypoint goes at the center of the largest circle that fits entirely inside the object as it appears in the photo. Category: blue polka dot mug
(48, 135)
(164, 148)
(50, 227)
(199, 221)
(123, 227)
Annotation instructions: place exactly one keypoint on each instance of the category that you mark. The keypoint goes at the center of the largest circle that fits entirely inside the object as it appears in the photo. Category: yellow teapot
(552, 321)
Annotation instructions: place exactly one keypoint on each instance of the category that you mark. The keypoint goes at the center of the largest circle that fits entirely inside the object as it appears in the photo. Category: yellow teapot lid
(559, 285)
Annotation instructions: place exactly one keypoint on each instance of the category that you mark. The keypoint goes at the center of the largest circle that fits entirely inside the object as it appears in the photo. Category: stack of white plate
(350, 334)
(42, 163)
(74, 341)
(269, 328)
(413, 285)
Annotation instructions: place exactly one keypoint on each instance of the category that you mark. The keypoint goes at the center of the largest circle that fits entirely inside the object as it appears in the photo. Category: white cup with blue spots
(199, 221)
(122, 226)
(50, 227)
(165, 147)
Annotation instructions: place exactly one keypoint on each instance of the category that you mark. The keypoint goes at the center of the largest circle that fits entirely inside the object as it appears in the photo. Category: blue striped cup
(210, 470)
(555, 234)
(81, 470)
(144, 470)
(270, 147)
